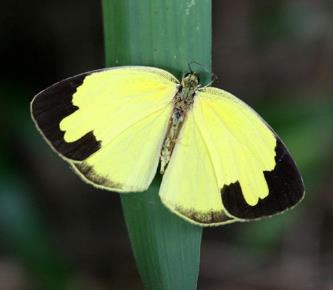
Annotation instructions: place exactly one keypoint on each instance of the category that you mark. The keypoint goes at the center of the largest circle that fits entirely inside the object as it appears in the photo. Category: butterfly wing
(109, 124)
(189, 186)
(228, 165)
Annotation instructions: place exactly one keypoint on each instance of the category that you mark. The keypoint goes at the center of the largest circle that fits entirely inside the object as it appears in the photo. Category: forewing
(256, 175)
(109, 124)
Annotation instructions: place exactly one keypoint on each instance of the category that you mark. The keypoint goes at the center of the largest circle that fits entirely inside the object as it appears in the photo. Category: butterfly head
(190, 81)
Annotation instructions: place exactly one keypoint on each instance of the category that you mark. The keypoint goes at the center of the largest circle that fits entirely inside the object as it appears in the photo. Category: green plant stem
(170, 35)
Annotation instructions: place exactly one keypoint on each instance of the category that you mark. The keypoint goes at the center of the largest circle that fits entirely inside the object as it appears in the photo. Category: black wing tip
(285, 185)
(51, 106)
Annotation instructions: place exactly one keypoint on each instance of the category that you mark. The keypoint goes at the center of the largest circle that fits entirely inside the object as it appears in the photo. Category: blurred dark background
(56, 230)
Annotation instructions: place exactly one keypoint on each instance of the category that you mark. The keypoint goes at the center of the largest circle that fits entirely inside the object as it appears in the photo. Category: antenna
(189, 67)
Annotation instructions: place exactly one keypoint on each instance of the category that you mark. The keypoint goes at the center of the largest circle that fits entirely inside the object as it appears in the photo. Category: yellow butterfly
(220, 161)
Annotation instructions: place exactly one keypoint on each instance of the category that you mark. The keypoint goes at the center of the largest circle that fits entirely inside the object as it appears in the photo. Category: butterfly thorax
(182, 103)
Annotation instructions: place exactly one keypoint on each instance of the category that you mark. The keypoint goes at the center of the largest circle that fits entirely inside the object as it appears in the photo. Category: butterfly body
(182, 103)
(220, 160)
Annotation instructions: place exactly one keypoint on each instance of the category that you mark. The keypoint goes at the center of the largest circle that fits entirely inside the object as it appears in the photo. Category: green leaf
(167, 34)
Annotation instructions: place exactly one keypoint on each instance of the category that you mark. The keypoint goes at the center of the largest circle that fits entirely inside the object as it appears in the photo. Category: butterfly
(220, 161)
